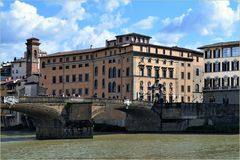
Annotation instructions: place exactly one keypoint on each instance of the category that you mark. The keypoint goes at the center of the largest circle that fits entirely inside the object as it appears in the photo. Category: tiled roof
(186, 50)
(74, 52)
(221, 44)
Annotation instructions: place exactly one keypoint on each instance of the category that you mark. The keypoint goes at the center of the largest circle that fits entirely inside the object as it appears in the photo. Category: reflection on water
(125, 146)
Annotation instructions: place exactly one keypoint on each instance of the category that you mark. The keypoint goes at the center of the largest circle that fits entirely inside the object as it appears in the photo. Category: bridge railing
(42, 99)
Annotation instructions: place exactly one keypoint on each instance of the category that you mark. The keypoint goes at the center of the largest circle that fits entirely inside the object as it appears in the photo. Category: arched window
(103, 70)
(103, 83)
(96, 71)
(109, 87)
(110, 73)
(149, 85)
(196, 88)
(141, 86)
(114, 72)
(235, 81)
(225, 81)
(114, 87)
(43, 64)
(95, 84)
(103, 95)
(164, 87)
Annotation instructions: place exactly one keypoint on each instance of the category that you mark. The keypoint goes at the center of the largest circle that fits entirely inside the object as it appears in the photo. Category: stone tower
(32, 56)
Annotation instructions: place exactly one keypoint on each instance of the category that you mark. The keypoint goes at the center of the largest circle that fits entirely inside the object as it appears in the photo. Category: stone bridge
(60, 117)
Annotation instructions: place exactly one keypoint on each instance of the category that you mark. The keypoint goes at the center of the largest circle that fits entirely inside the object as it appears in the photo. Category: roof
(135, 34)
(186, 50)
(74, 52)
(19, 60)
(33, 38)
(221, 44)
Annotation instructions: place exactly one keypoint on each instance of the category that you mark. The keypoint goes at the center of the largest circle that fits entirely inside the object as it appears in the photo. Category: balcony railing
(221, 88)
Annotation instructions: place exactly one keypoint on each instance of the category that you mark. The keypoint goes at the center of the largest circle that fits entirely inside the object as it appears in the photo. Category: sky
(63, 25)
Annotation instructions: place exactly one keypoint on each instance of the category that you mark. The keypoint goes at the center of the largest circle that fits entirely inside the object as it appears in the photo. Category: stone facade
(221, 72)
(125, 68)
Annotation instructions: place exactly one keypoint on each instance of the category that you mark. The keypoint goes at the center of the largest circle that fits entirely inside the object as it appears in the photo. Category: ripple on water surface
(139, 146)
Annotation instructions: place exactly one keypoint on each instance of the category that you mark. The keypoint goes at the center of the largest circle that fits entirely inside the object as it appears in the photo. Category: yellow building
(125, 67)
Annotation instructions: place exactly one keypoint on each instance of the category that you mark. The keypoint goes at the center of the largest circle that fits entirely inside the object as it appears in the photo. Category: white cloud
(1, 3)
(169, 39)
(146, 23)
(114, 4)
(58, 33)
(209, 18)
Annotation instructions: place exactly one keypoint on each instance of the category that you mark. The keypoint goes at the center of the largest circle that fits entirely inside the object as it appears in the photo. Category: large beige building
(221, 74)
(125, 67)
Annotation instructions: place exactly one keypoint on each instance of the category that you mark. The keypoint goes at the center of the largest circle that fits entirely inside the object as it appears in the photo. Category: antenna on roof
(90, 46)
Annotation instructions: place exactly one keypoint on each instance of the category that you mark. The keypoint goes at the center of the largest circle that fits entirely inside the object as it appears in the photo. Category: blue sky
(76, 24)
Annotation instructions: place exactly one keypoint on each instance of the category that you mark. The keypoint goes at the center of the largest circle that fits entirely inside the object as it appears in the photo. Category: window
(80, 78)
(73, 78)
(73, 91)
(60, 67)
(164, 61)
(95, 84)
(182, 99)
(79, 65)
(182, 88)
(189, 88)
(226, 52)
(67, 78)
(208, 67)
(197, 72)
(235, 51)
(149, 71)
(120, 40)
(74, 66)
(128, 72)
(225, 81)
(182, 64)
(67, 92)
(141, 48)
(43, 64)
(114, 87)
(67, 67)
(74, 58)
(164, 72)
(60, 59)
(114, 72)
(235, 65)
(119, 72)
(103, 70)
(87, 57)
(197, 59)
(128, 88)
(86, 64)
(170, 52)
(149, 60)
(197, 88)
(189, 65)
(96, 71)
(157, 72)
(109, 87)
(182, 75)
(171, 73)
(119, 88)
(209, 54)
(189, 99)
(60, 79)
(225, 66)
(79, 91)
(157, 61)
(80, 57)
(216, 53)
(67, 59)
(49, 61)
(86, 91)
(110, 72)
(216, 67)
(189, 75)
(54, 79)
(141, 70)
(86, 77)
(164, 51)
(103, 95)
(156, 50)
(103, 83)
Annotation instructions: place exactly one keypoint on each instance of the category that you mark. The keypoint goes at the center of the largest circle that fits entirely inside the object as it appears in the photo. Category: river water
(21, 145)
